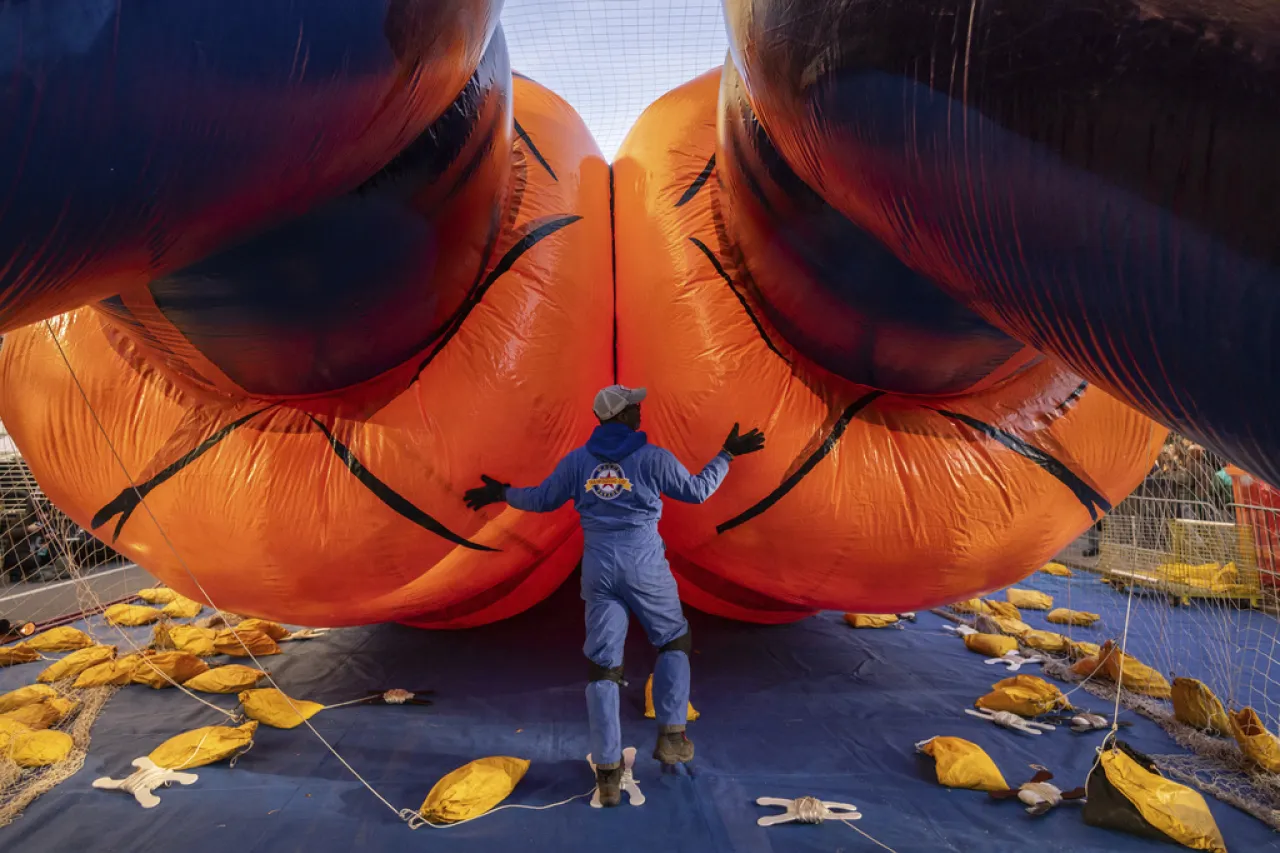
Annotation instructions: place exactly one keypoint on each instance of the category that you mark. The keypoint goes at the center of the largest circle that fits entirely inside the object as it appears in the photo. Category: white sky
(612, 58)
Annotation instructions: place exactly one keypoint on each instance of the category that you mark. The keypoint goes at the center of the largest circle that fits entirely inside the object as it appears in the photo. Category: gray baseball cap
(612, 400)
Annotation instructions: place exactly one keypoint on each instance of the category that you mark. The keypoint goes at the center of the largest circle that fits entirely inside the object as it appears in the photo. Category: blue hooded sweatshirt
(616, 482)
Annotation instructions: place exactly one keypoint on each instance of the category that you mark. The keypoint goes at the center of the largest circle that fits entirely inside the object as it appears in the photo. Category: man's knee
(683, 643)
(596, 672)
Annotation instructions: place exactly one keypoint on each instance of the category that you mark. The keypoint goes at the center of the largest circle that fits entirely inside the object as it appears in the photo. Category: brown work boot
(609, 783)
(674, 746)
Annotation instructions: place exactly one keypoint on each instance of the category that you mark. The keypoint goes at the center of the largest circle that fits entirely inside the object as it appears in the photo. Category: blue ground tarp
(813, 708)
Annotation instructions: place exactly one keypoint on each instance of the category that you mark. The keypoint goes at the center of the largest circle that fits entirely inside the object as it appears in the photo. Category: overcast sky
(612, 58)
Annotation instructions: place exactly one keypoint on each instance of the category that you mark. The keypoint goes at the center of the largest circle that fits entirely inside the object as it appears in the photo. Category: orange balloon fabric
(863, 500)
(320, 519)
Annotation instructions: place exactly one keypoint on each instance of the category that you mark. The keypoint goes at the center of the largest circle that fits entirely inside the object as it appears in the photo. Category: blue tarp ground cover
(813, 708)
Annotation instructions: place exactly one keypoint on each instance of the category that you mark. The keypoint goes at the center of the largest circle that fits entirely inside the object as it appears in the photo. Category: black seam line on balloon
(533, 149)
(524, 244)
(715, 262)
(613, 262)
(702, 178)
(131, 498)
(1073, 396)
(1086, 494)
(397, 502)
(837, 432)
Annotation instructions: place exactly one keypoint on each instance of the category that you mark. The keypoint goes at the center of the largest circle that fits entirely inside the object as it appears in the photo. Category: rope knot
(810, 810)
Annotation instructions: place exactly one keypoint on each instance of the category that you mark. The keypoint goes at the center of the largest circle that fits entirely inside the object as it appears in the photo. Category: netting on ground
(1183, 578)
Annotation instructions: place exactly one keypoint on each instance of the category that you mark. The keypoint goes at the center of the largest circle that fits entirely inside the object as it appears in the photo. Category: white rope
(417, 821)
(142, 501)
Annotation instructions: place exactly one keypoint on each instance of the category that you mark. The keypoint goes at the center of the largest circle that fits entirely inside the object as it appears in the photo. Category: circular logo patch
(608, 481)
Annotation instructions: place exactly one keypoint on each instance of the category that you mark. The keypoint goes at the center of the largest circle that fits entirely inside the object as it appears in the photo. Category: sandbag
(203, 746)
(231, 678)
(29, 748)
(1080, 650)
(962, 764)
(1002, 625)
(29, 695)
(473, 789)
(1259, 745)
(1057, 570)
(269, 706)
(115, 673)
(991, 645)
(1002, 608)
(158, 670)
(1079, 618)
(157, 595)
(41, 715)
(64, 639)
(131, 615)
(188, 638)
(1195, 705)
(274, 630)
(1029, 599)
(182, 608)
(76, 663)
(971, 605)
(14, 655)
(870, 620)
(1045, 641)
(648, 703)
(1024, 695)
(241, 644)
(1132, 674)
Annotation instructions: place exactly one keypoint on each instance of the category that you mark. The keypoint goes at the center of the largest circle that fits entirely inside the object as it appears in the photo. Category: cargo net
(1183, 578)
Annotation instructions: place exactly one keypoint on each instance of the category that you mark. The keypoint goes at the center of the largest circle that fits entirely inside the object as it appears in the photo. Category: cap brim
(636, 395)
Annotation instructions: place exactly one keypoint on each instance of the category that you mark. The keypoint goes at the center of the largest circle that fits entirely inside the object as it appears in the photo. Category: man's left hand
(491, 492)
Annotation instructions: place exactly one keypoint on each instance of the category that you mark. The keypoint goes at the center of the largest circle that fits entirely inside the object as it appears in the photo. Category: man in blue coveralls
(616, 482)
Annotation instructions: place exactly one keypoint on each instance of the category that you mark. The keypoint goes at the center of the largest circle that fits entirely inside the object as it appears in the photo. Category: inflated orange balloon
(288, 513)
(863, 499)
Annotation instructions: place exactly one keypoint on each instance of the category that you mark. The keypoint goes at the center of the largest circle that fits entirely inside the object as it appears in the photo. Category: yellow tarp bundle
(157, 595)
(76, 663)
(117, 673)
(991, 645)
(1079, 618)
(1258, 744)
(1029, 599)
(14, 655)
(268, 705)
(1002, 608)
(648, 703)
(971, 605)
(158, 670)
(29, 748)
(23, 696)
(64, 639)
(234, 643)
(1172, 810)
(962, 764)
(870, 620)
(1024, 695)
(1195, 705)
(41, 715)
(131, 615)
(1057, 570)
(203, 746)
(1045, 641)
(473, 789)
(182, 608)
(274, 630)
(231, 678)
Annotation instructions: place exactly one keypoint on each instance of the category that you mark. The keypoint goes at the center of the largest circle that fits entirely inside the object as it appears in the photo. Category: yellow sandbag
(1057, 570)
(14, 655)
(116, 673)
(1029, 599)
(41, 715)
(1045, 641)
(1258, 744)
(274, 630)
(197, 641)
(203, 746)
(268, 705)
(473, 789)
(231, 678)
(1132, 674)
(1175, 810)
(131, 615)
(23, 696)
(1002, 608)
(1005, 625)
(1080, 649)
(991, 645)
(39, 749)
(971, 605)
(1195, 705)
(157, 595)
(182, 608)
(158, 670)
(962, 764)
(234, 643)
(870, 620)
(648, 703)
(76, 663)
(64, 639)
(1024, 695)
(1079, 618)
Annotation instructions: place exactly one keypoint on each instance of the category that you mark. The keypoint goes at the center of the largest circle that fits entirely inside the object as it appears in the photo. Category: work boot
(674, 746)
(609, 781)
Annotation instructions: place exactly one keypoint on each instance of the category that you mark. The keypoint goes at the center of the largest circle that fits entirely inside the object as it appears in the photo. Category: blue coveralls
(616, 482)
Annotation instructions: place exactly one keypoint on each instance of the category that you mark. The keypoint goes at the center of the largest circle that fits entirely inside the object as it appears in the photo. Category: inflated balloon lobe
(1097, 180)
(360, 285)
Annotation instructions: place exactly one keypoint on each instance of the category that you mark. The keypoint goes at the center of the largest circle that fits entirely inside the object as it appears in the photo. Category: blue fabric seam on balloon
(533, 149)
(389, 496)
(715, 262)
(828, 443)
(1086, 494)
(698, 182)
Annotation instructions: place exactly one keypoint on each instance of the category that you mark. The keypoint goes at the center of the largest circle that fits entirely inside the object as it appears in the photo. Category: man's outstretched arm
(547, 496)
(678, 484)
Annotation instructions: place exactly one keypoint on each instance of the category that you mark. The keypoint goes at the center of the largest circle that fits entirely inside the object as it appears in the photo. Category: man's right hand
(491, 492)
(737, 445)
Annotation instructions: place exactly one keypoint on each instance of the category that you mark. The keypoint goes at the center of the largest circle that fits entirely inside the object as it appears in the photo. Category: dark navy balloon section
(1099, 181)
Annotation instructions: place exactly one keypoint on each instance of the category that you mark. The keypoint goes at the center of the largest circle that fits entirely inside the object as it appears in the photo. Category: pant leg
(651, 593)
(606, 618)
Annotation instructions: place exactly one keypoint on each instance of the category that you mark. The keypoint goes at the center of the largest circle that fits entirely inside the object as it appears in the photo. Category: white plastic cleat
(144, 780)
(1007, 720)
(629, 784)
(1015, 661)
